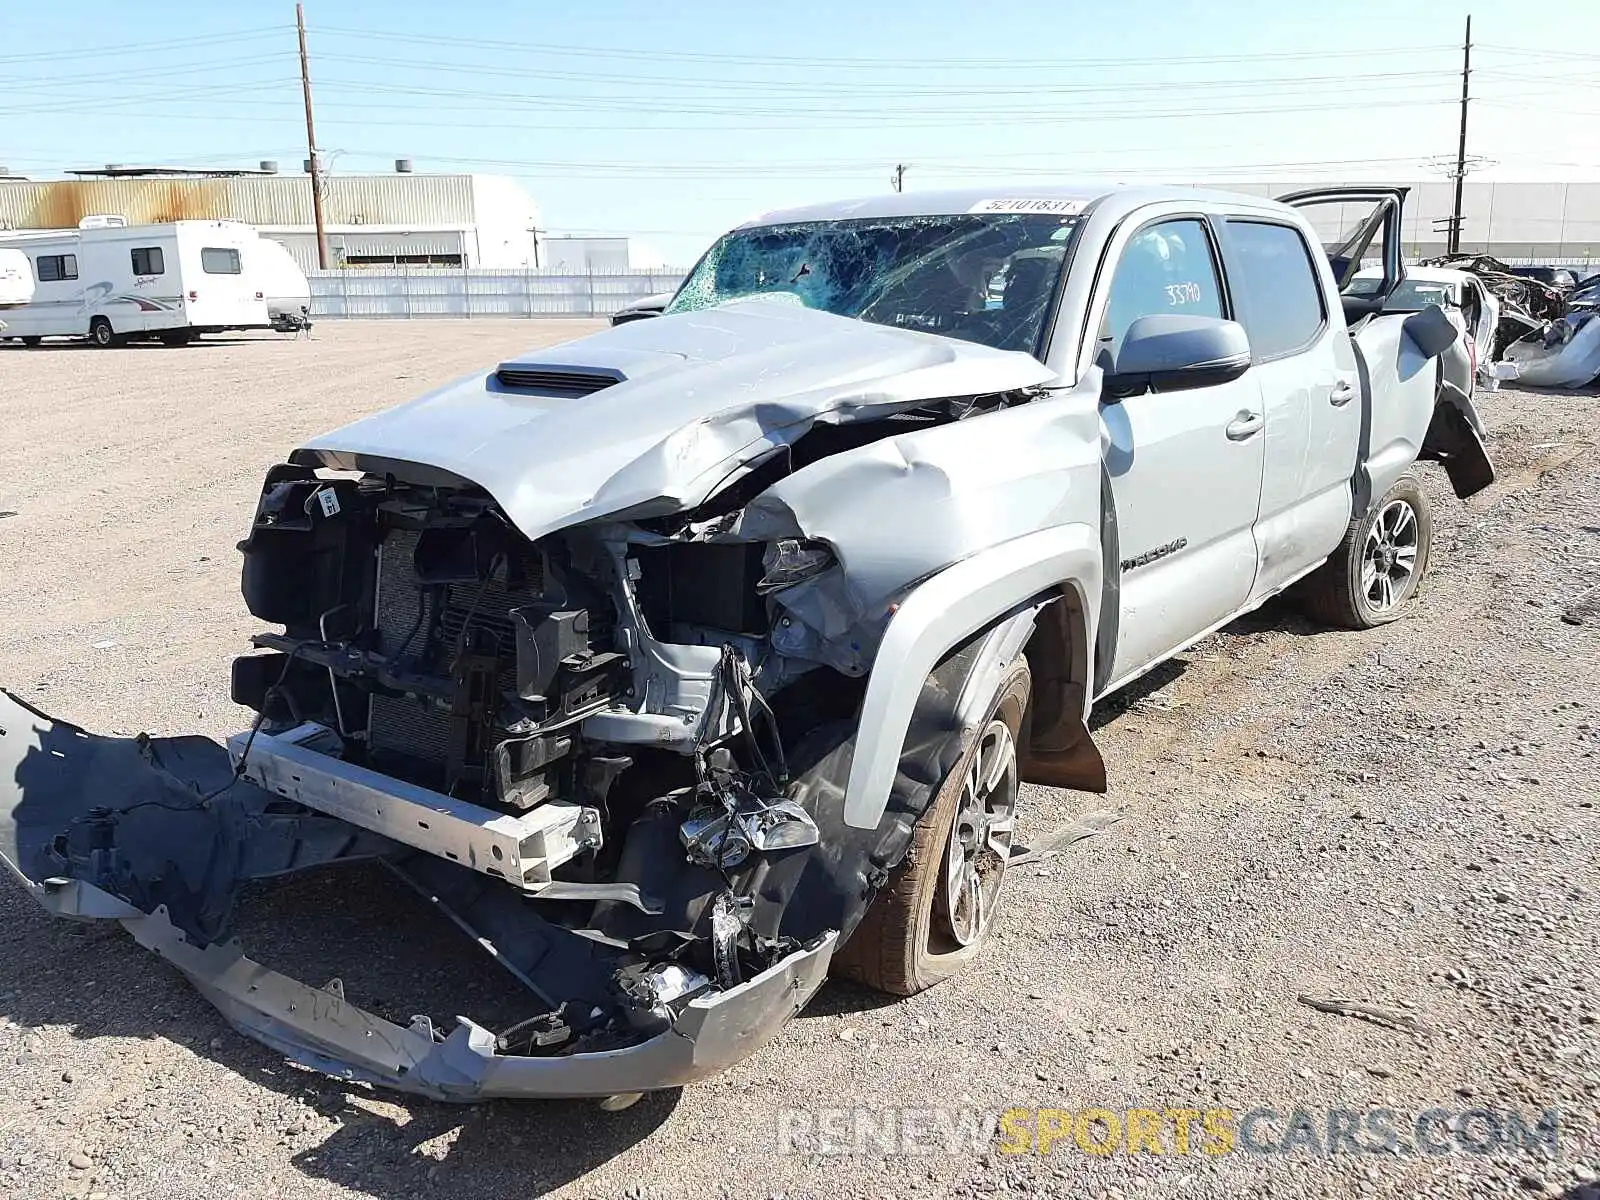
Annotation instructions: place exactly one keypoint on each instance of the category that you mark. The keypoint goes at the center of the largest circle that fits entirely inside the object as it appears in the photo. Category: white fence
(479, 293)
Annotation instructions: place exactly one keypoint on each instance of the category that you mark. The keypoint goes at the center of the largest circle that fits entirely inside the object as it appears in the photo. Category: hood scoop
(549, 380)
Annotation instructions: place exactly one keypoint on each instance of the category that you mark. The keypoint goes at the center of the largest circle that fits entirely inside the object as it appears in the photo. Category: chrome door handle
(1246, 424)
(1341, 395)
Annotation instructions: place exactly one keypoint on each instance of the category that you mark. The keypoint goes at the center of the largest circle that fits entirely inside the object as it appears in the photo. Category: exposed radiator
(416, 728)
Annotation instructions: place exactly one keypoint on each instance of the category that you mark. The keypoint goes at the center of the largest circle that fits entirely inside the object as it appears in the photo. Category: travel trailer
(287, 291)
(110, 282)
(16, 281)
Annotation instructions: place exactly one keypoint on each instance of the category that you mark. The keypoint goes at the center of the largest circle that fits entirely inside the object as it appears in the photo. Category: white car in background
(1471, 307)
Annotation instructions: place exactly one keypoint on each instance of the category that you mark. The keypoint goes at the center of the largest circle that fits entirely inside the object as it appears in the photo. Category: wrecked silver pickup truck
(695, 659)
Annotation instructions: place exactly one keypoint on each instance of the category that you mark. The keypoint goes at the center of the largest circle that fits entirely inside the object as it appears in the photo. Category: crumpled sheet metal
(1518, 294)
(707, 394)
(320, 1029)
(1566, 356)
(904, 506)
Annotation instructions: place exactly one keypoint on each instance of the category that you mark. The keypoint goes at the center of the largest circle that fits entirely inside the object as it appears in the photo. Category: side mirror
(1431, 330)
(1168, 352)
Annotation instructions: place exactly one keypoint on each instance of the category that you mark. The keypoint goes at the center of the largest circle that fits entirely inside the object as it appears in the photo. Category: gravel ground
(1404, 817)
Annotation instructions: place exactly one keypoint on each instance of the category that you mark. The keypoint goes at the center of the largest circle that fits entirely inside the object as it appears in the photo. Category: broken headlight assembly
(725, 835)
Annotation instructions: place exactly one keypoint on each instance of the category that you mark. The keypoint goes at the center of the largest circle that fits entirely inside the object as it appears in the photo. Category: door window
(219, 260)
(1355, 237)
(1168, 267)
(1280, 300)
(147, 261)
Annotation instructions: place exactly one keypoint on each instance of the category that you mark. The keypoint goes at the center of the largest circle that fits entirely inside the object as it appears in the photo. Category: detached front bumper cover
(55, 778)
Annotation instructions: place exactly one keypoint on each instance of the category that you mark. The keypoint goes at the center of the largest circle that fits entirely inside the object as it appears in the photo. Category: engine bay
(589, 718)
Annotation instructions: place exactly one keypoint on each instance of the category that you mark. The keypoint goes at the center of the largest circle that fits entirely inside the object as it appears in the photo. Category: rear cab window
(220, 260)
(1275, 282)
(1169, 266)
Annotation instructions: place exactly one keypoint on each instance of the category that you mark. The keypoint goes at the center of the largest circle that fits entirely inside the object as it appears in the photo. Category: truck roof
(1063, 198)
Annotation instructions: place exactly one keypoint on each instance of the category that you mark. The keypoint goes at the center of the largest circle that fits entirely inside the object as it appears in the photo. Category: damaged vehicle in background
(1546, 336)
(1472, 308)
(687, 663)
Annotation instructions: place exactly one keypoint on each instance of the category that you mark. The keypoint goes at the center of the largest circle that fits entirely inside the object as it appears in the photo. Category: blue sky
(670, 122)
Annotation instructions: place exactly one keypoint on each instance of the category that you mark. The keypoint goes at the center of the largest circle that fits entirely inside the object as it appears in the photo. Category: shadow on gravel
(95, 981)
(1113, 706)
(1277, 615)
(525, 1148)
(837, 998)
(197, 344)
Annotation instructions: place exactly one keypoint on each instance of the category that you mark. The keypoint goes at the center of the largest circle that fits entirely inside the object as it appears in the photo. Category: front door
(1185, 466)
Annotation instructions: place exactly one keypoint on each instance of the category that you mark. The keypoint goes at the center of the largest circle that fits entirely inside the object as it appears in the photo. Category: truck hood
(654, 416)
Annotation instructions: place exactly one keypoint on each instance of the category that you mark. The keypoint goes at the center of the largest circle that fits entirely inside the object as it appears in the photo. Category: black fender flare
(830, 885)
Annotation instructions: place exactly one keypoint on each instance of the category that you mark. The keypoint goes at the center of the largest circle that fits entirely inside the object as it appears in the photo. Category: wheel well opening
(1057, 748)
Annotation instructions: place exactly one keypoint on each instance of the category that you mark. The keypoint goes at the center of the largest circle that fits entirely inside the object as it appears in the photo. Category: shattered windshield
(986, 278)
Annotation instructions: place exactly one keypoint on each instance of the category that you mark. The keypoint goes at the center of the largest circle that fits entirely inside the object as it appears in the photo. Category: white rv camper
(287, 290)
(110, 282)
(16, 281)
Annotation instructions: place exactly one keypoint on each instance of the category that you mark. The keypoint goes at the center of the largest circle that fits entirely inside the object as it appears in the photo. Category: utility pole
(311, 143)
(899, 179)
(1461, 146)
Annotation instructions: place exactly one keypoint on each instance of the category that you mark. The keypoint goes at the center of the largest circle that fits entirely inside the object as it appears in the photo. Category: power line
(565, 101)
(854, 117)
(55, 81)
(92, 106)
(127, 48)
(835, 88)
(837, 63)
(1527, 51)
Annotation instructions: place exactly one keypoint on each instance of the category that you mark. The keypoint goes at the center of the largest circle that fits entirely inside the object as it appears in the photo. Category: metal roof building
(1537, 222)
(372, 220)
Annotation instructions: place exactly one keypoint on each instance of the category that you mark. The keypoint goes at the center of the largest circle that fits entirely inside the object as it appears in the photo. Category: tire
(32, 340)
(101, 333)
(1372, 577)
(908, 940)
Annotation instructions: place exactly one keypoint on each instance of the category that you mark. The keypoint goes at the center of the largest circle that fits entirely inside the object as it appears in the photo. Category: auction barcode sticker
(1044, 204)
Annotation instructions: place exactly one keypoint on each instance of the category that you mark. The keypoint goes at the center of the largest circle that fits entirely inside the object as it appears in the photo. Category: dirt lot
(1404, 817)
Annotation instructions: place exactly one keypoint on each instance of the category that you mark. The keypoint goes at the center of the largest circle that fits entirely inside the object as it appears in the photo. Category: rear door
(1360, 231)
(1184, 466)
(1306, 369)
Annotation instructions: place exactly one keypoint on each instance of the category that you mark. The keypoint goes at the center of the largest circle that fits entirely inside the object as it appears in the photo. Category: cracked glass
(988, 278)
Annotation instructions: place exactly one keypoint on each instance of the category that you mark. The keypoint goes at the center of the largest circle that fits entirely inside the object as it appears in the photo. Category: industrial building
(403, 219)
(585, 255)
(1517, 222)
(407, 219)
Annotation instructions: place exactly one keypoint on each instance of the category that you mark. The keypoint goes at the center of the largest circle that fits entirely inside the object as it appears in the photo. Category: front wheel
(936, 912)
(1372, 577)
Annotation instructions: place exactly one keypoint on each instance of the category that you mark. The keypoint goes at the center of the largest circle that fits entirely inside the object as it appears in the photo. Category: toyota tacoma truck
(688, 663)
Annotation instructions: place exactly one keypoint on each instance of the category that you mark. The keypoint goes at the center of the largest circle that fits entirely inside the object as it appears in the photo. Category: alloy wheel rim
(1389, 558)
(979, 845)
